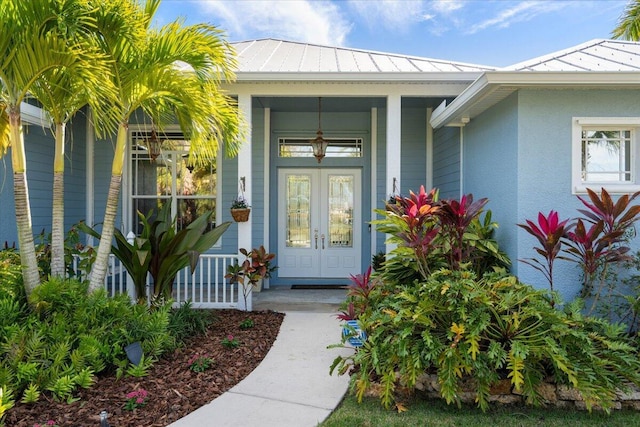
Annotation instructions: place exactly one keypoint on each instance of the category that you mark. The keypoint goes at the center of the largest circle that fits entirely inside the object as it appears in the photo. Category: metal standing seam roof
(595, 55)
(278, 56)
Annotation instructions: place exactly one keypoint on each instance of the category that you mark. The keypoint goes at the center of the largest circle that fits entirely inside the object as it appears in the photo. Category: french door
(319, 223)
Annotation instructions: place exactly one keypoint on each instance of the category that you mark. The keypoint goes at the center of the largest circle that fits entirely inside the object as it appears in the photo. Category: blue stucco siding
(446, 161)
(260, 192)
(544, 163)
(491, 167)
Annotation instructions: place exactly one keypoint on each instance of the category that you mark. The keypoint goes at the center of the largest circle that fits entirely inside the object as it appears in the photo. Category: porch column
(394, 120)
(245, 177)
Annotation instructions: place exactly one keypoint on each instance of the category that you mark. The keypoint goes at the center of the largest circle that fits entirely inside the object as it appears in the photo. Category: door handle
(322, 237)
(316, 237)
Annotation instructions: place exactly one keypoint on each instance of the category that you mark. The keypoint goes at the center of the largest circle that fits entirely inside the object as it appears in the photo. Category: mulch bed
(173, 389)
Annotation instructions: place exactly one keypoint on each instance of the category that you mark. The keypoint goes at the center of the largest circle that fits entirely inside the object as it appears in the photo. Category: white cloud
(394, 15)
(516, 12)
(319, 22)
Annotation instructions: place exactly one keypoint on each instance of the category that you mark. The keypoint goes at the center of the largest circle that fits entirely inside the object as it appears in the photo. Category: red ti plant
(416, 225)
(615, 216)
(358, 293)
(455, 217)
(549, 232)
(603, 244)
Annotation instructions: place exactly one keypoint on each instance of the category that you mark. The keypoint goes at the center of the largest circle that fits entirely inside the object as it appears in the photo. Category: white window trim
(577, 123)
(129, 195)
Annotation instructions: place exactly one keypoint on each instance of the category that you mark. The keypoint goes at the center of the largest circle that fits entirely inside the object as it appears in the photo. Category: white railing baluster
(212, 268)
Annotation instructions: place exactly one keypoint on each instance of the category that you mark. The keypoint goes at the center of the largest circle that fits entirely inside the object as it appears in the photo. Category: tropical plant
(594, 242)
(70, 336)
(478, 331)
(256, 266)
(62, 93)
(171, 73)
(38, 49)
(162, 251)
(549, 232)
(358, 295)
(431, 234)
(628, 27)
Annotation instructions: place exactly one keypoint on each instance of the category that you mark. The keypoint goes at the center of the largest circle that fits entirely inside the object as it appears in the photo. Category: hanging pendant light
(153, 144)
(319, 144)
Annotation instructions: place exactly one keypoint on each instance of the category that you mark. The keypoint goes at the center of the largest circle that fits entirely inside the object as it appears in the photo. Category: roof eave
(422, 77)
(482, 93)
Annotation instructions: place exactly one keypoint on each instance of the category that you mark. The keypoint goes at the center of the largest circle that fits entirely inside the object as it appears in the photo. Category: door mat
(318, 286)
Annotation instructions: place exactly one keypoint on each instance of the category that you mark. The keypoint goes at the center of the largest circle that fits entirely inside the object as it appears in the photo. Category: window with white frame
(161, 173)
(605, 154)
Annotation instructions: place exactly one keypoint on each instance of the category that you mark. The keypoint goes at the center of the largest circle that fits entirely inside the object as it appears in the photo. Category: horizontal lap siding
(414, 149)
(446, 162)
(75, 179)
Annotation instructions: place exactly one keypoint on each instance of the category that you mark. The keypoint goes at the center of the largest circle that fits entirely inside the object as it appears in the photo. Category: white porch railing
(206, 287)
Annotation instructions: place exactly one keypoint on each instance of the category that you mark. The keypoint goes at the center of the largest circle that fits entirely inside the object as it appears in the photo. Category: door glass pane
(297, 210)
(341, 210)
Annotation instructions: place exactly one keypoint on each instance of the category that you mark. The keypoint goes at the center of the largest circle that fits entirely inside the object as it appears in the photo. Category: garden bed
(173, 390)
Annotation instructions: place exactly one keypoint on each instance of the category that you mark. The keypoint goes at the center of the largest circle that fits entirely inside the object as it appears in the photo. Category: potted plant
(240, 209)
(256, 266)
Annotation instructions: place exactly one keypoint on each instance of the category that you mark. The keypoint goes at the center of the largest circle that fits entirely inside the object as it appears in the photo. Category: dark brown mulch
(173, 389)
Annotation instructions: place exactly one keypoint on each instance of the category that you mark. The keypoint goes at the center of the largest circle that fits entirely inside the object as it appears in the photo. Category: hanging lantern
(153, 144)
(319, 144)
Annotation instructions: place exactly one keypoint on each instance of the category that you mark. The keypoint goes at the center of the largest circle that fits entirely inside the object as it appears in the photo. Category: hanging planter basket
(240, 215)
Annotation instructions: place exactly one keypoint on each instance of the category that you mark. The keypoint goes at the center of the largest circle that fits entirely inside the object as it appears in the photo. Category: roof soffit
(493, 87)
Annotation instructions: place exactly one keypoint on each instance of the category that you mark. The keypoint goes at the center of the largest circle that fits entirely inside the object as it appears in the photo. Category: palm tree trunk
(99, 270)
(57, 215)
(30, 275)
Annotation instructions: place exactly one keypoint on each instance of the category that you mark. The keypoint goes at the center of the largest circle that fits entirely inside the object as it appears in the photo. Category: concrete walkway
(292, 386)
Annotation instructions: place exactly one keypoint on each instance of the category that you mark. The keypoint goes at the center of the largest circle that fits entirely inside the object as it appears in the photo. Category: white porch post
(394, 120)
(245, 177)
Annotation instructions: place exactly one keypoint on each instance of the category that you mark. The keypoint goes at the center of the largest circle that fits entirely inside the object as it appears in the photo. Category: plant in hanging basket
(240, 209)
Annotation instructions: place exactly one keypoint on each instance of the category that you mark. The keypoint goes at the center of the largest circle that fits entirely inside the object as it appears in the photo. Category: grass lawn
(436, 413)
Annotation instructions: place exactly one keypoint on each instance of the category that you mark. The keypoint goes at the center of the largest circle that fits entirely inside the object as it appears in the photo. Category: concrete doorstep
(291, 387)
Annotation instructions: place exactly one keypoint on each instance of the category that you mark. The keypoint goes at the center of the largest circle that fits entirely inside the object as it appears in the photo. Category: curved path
(291, 387)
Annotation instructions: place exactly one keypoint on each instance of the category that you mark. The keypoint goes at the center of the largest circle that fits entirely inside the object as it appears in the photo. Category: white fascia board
(33, 115)
(337, 89)
(511, 81)
(460, 76)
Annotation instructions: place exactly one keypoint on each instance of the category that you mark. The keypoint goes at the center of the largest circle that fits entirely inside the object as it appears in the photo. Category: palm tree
(169, 73)
(62, 93)
(29, 49)
(629, 23)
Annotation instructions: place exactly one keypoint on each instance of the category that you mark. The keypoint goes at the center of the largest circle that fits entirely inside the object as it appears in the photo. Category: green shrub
(70, 335)
(185, 322)
(459, 327)
(443, 304)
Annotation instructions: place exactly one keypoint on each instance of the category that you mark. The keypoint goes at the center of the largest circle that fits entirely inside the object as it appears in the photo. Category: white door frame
(319, 258)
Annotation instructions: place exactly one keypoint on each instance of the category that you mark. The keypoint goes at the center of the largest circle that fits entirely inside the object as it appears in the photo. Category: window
(338, 147)
(191, 190)
(605, 154)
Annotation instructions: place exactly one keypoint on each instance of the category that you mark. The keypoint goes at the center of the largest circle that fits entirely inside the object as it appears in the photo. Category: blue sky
(487, 32)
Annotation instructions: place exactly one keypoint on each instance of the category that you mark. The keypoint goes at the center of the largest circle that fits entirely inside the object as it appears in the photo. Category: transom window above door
(605, 154)
(161, 173)
(337, 147)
